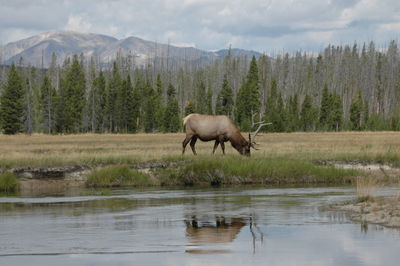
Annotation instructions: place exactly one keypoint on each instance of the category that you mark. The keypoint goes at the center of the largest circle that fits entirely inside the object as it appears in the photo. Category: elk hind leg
(215, 146)
(192, 143)
(185, 142)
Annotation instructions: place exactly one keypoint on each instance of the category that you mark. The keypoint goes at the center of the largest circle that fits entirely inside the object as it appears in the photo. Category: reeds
(366, 187)
(8, 182)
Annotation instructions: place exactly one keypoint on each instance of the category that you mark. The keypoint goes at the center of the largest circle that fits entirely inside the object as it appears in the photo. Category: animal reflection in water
(222, 230)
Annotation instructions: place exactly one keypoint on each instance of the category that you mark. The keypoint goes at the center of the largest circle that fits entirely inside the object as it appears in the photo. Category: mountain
(37, 50)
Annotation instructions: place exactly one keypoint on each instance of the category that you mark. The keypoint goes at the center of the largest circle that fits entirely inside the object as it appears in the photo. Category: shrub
(8, 182)
(116, 176)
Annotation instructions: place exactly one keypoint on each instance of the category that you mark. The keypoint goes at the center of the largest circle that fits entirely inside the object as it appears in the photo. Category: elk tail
(185, 119)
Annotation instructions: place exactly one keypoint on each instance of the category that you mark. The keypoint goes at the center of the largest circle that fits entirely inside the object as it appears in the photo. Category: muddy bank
(384, 211)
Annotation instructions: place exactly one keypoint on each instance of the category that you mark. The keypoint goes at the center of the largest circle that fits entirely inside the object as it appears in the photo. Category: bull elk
(219, 128)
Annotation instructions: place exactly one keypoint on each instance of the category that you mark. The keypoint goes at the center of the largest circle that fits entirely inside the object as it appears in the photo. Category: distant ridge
(38, 49)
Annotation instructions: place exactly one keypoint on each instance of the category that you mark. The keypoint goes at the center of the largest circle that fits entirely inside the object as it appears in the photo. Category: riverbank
(283, 158)
(383, 211)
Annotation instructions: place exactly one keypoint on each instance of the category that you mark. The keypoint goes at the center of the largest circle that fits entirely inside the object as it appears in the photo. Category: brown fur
(213, 127)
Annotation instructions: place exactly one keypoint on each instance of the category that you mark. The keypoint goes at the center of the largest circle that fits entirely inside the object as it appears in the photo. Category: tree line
(343, 88)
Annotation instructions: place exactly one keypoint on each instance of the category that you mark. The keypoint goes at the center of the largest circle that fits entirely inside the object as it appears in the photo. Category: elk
(219, 128)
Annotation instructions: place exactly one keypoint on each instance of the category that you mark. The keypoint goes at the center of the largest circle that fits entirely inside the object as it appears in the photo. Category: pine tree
(201, 105)
(115, 101)
(208, 101)
(171, 116)
(272, 113)
(224, 104)
(336, 115)
(159, 106)
(293, 113)
(248, 98)
(308, 114)
(326, 109)
(100, 101)
(48, 102)
(11, 103)
(133, 106)
(149, 109)
(73, 94)
(356, 109)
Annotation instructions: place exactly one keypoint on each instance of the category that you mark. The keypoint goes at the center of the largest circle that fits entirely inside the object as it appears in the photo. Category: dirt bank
(383, 211)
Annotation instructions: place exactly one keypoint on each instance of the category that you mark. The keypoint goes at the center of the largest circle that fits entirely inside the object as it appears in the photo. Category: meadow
(110, 149)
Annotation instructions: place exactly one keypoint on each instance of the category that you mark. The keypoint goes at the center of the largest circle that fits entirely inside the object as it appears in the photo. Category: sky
(261, 25)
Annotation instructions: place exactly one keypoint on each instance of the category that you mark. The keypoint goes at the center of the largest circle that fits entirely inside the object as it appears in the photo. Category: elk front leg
(192, 143)
(223, 147)
(215, 146)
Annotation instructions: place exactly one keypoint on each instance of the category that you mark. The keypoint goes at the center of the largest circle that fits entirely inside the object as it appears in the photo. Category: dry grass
(366, 187)
(40, 149)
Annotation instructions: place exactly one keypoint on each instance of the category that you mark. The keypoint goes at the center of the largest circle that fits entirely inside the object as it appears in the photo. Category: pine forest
(350, 87)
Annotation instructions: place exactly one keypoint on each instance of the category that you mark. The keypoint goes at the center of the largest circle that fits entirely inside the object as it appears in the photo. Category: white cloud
(210, 24)
(77, 23)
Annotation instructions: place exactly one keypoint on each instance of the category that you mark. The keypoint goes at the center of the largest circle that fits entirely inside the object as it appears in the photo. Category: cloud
(211, 24)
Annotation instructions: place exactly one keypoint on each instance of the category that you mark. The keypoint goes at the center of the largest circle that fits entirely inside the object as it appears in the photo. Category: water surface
(221, 226)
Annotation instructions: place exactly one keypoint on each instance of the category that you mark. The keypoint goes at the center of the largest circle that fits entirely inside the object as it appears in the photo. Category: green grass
(8, 182)
(231, 170)
(116, 176)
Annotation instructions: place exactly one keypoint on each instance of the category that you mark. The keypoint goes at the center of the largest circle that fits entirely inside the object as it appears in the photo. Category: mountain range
(38, 50)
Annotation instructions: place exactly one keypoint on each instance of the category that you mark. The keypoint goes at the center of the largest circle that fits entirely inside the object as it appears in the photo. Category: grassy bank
(282, 158)
(232, 170)
(116, 176)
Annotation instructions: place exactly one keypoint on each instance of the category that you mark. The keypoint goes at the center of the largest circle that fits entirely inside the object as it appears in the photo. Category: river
(195, 226)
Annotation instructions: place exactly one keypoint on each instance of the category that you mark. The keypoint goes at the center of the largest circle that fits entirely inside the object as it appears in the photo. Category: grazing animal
(219, 128)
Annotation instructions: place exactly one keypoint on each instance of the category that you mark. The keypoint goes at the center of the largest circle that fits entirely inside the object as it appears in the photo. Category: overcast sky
(262, 25)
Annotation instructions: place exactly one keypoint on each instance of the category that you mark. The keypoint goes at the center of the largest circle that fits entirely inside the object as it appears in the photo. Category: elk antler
(261, 124)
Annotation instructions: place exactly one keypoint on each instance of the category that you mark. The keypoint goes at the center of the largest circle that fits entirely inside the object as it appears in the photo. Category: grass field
(94, 149)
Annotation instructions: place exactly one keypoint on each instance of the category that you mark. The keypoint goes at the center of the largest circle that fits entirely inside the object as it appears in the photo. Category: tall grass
(107, 149)
(115, 176)
(366, 187)
(8, 182)
(240, 170)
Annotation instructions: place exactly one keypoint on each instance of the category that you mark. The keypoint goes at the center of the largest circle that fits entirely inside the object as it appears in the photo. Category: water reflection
(222, 230)
(256, 226)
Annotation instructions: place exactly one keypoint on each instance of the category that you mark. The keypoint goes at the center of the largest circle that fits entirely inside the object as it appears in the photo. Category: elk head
(252, 143)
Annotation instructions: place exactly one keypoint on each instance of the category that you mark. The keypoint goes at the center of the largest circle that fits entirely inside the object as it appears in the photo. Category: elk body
(216, 127)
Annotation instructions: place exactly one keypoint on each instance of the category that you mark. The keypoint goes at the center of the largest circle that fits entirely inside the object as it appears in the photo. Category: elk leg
(223, 147)
(192, 143)
(185, 142)
(215, 146)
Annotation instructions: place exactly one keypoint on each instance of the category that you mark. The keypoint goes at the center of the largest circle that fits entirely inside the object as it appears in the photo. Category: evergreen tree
(225, 99)
(326, 108)
(133, 106)
(308, 114)
(171, 116)
(201, 104)
(115, 100)
(100, 101)
(208, 101)
(248, 98)
(336, 115)
(293, 113)
(11, 103)
(48, 102)
(159, 106)
(272, 113)
(356, 109)
(73, 97)
(149, 109)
